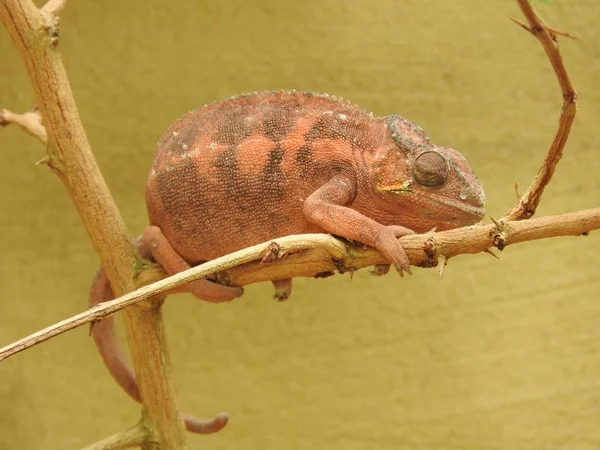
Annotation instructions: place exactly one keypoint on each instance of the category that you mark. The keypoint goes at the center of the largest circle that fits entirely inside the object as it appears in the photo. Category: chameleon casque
(251, 168)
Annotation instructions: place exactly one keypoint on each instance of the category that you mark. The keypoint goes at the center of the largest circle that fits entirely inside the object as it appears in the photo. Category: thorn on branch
(499, 225)
(442, 261)
(562, 33)
(521, 24)
(54, 167)
(490, 252)
(45, 161)
(92, 325)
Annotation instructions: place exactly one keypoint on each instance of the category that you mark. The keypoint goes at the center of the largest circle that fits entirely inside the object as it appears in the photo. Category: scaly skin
(255, 167)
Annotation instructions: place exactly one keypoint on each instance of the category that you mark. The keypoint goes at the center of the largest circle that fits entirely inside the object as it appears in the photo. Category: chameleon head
(422, 185)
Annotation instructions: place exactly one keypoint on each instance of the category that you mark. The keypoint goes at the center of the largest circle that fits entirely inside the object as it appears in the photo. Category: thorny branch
(528, 204)
(323, 255)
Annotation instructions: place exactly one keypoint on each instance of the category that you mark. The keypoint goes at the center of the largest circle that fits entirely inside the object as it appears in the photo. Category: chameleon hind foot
(172, 262)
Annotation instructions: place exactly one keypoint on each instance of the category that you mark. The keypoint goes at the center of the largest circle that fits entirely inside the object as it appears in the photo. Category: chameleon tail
(105, 337)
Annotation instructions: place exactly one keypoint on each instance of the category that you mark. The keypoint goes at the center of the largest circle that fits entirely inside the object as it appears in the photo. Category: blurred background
(502, 354)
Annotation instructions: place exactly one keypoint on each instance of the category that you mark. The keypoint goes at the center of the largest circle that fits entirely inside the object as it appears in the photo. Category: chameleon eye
(430, 169)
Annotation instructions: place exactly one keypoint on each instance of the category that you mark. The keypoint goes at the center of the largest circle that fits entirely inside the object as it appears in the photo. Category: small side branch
(528, 204)
(130, 438)
(30, 122)
(313, 254)
(54, 7)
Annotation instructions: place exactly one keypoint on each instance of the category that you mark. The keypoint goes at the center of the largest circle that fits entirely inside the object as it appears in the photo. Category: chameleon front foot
(283, 289)
(164, 253)
(380, 269)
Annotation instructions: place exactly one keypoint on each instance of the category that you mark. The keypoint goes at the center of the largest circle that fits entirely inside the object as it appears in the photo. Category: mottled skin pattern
(255, 167)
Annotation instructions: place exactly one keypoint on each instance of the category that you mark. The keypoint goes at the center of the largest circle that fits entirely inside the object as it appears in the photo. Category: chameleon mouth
(474, 212)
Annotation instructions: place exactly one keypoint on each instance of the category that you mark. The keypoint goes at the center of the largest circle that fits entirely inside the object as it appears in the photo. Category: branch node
(429, 248)
(52, 27)
(499, 240)
(271, 253)
(340, 265)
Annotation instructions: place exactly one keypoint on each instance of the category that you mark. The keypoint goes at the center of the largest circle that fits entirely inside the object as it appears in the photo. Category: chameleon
(254, 167)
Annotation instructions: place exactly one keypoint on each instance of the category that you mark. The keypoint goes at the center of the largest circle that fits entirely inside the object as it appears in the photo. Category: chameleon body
(251, 168)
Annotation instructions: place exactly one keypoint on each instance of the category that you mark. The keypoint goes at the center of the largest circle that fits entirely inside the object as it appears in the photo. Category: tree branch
(133, 437)
(30, 122)
(321, 255)
(35, 33)
(54, 7)
(528, 204)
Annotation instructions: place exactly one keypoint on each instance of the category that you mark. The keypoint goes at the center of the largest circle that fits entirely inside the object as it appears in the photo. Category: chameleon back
(237, 171)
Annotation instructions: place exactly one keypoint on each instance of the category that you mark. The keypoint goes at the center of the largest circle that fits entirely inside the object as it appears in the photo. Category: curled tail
(105, 337)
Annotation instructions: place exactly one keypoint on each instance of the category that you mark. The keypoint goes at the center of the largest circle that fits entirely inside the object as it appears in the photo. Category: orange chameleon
(255, 167)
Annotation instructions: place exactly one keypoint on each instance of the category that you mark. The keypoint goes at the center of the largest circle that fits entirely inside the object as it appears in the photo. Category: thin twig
(54, 7)
(130, 438)
(550, 29)
(310, 255)
(30, 122)
(528, 204)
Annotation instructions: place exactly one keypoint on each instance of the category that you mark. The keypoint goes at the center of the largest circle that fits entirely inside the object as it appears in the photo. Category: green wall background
(500, 355)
